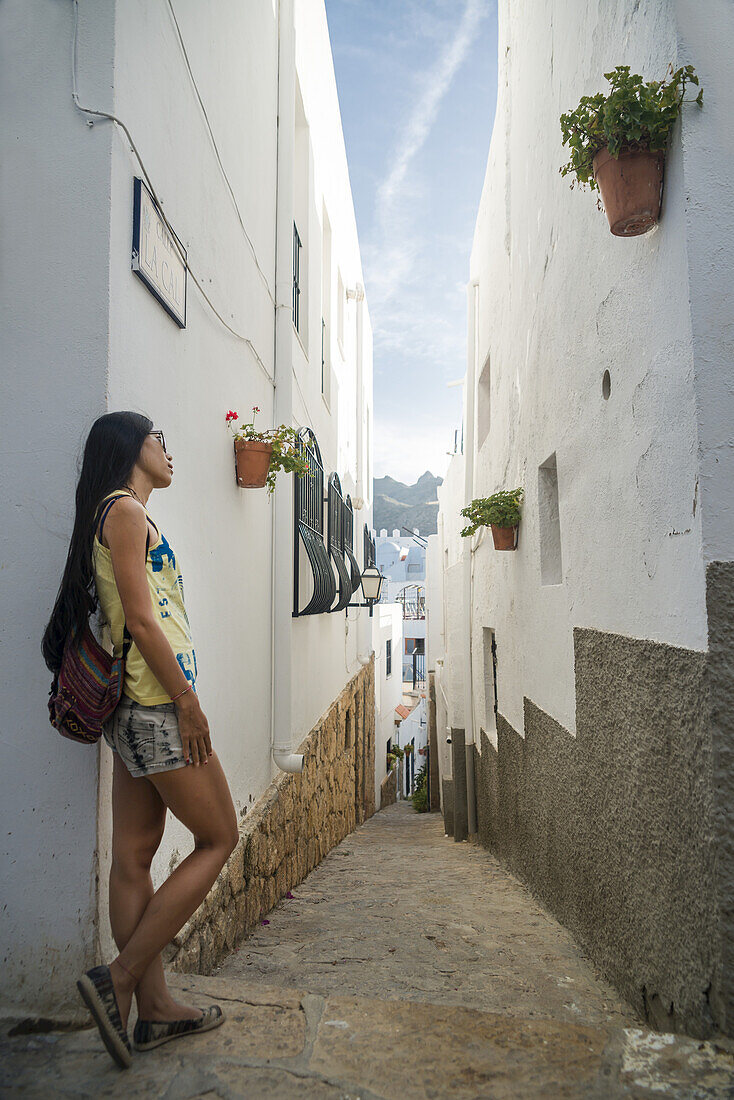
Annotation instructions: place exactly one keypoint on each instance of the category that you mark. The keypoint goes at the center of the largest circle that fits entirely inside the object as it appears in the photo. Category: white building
(402, 561)
(387, 643)
(586, 679)
(413, 730)
(240, 143)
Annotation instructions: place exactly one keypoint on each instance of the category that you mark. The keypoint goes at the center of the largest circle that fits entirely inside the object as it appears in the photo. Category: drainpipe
(364, 623)
(282, 511)
(469, 390)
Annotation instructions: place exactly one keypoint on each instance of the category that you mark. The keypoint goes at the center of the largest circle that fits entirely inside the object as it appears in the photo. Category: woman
(159, 734)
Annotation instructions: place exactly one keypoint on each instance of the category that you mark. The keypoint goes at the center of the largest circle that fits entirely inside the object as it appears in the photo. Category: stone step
(289, 1044)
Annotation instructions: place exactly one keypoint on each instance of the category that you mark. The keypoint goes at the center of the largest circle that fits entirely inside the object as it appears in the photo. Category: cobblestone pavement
(404, 967)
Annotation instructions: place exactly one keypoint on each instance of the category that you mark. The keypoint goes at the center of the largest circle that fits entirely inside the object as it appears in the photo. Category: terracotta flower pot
(631, 186)
(252, 461)
(504, 538)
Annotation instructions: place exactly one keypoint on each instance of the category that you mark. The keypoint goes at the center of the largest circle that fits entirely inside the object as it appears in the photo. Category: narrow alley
(404, 966)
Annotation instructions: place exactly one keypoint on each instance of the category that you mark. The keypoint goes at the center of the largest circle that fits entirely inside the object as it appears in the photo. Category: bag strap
(127, 640)
(107, 508)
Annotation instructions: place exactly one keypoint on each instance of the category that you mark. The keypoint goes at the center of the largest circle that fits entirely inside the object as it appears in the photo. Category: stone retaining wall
(290, 828)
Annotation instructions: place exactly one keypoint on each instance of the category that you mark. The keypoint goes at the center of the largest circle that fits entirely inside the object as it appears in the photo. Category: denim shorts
(146, 738)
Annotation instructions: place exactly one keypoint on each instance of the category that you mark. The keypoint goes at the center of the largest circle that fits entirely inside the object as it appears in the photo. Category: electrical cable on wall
(118, 122)
(216, 151)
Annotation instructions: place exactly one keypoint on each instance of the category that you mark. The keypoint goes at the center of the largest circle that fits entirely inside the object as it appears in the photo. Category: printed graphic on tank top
(165, 582)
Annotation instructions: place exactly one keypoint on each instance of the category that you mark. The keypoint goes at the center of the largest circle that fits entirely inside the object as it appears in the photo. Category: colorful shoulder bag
(88, 686)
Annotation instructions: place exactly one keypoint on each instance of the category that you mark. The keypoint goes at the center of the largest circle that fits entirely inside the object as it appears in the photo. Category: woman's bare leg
(200, 798)
(138, 819)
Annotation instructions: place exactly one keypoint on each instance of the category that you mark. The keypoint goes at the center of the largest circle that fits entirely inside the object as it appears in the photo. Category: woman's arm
(126, 532)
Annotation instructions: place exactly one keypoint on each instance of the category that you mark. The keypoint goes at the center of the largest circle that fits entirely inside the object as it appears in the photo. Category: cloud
(398, 249)
(406, 448)
(437, 83)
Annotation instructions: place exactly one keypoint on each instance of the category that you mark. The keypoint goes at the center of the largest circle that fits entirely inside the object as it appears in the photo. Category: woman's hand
(194, 729)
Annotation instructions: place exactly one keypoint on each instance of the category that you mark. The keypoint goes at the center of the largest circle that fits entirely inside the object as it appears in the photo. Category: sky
(417, 83)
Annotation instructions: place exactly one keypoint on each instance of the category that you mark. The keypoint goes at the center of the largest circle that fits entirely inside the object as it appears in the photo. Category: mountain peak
(397, 505)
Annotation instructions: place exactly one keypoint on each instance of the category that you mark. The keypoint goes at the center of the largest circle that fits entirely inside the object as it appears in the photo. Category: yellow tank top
(167, 596)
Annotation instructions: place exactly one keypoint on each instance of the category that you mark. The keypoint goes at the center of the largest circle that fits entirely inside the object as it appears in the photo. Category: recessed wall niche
(549, 523)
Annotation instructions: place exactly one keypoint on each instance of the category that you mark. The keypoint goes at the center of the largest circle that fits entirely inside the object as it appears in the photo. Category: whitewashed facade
(238, 147)
(587, 675)
(387, 643)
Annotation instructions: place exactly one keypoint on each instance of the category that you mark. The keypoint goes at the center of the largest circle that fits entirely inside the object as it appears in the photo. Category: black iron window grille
(349, 543)
(337, 523)
(308, 497)
(296, 279)
(388, 657)
(369, 553)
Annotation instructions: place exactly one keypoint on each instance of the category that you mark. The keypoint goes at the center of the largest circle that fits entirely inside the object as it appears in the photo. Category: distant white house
(401, 559)
(387, 643)
(412, 730)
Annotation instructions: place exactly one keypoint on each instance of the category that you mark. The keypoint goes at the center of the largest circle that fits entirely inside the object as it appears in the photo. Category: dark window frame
(297, 246)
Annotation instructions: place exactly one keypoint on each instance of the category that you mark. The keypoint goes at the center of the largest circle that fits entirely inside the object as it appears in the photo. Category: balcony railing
(414, 670)
(413, 601)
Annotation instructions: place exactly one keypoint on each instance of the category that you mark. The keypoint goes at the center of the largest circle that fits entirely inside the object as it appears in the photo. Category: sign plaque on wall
(157, 259)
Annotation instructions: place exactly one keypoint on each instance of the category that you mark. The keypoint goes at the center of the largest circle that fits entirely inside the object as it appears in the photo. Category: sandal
(98, 994)
(151, 1033)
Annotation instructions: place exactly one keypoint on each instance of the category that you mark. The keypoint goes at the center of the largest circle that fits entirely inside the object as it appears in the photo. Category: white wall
(707, 146)
(187, 379)
(326, 648)
(414, 729)
(446, 612)
(87, 337)
(387, 625)
(560, 301)
(54, 298)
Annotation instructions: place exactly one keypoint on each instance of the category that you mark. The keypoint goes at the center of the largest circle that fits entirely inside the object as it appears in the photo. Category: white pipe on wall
(469, 392)
(364, 623)
(282, 515)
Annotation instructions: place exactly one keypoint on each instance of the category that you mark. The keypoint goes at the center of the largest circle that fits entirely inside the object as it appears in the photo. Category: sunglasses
(160, 437)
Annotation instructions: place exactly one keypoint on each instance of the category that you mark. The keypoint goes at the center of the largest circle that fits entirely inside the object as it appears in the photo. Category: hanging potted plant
(501, 512)
(260, 455)
(617, 144)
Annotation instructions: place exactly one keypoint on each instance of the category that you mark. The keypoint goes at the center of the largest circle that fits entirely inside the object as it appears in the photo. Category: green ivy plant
(634, 115)
(502, 509)
(286, 454)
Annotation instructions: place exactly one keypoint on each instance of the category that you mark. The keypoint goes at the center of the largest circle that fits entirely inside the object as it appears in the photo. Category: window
(415, 567)
(410, 645)
(302, 217)
(551, 565)
(388, 657)
(296, 278)
(323, 356)
(490, 680)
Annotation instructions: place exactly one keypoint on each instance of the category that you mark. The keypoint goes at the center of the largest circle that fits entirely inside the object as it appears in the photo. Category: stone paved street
(405, 966)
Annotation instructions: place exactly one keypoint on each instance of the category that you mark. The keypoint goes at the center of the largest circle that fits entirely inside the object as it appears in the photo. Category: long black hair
(111, 451)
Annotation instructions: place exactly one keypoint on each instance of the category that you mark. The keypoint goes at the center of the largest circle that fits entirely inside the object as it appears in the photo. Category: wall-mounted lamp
(372, 580)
